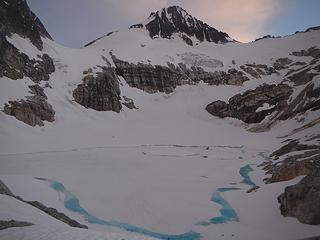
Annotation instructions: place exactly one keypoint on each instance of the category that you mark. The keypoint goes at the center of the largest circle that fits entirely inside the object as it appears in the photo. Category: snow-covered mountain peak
(174, 19)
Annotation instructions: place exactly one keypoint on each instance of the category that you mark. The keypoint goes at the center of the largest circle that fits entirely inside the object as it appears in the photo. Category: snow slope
(156, 167)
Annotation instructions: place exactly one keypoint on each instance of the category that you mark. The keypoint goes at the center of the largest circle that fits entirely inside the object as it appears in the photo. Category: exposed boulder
(101, 93)
(33, 110)
(128, 102)
(290, 161)
(303, 199)
(293, 166)
(246, 106)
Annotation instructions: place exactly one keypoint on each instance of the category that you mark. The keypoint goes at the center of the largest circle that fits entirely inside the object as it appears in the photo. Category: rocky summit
(168, 129)
(174, 19)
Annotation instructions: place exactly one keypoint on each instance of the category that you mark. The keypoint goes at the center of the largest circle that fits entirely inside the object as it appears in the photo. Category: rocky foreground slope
(277, 81)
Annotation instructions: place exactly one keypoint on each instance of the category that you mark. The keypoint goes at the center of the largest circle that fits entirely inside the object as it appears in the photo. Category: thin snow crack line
(132, 146)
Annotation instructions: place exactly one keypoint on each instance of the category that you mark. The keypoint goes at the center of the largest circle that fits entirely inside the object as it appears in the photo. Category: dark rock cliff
(16, 17)
(154, 78)
(101, 93)
(33, 110)
(174, 19)
(246, 106)
(303, 199)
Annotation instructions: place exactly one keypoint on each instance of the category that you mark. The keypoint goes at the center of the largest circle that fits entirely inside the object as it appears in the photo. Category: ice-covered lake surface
(72, 203)
(162, 191)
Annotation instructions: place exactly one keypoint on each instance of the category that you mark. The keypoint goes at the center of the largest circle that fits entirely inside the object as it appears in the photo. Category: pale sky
(74, 23)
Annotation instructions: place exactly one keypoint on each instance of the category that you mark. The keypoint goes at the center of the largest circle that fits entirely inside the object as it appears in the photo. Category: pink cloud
(244, 20)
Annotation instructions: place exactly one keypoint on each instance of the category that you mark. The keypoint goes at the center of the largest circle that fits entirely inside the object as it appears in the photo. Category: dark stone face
(16, 65)
(244, 106)
(176, 20)
(303, 199)
(32, 111)
(101, 93)
(16, 17)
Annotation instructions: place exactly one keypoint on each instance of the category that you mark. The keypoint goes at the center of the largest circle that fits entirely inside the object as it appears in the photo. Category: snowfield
(155, 168)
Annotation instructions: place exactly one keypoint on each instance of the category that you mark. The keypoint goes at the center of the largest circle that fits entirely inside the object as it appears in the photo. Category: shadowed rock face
(16, 17)
(165, 79)
(297, 159)
(176, 20)
(244, 106)
(303, 199)
(15, 65)
(13, 223)
(101, 93)
(149, 78)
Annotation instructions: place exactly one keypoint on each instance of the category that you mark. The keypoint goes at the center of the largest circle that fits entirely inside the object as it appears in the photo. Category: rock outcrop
(100, 92)
(13, 223)
(15, 65)
(293, 166)
(56, 214)
(17, 18)
(149, 78)
(166, 22)
(303, 199)
(290, 161)
(156, 78)
(50, 211)
(33, 110)
(229, 77)
(245, 107)
(4, 189)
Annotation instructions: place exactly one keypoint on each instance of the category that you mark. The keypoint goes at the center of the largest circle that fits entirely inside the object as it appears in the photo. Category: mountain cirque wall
(154, 78)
